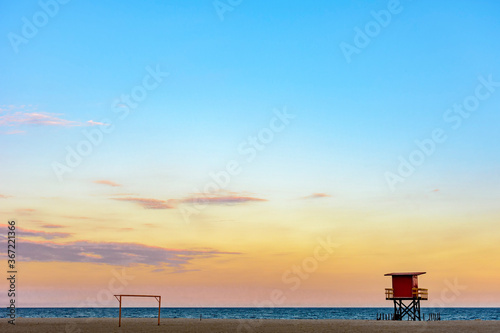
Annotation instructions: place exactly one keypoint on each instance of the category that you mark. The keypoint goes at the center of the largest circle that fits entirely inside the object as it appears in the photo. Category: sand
(67, 325)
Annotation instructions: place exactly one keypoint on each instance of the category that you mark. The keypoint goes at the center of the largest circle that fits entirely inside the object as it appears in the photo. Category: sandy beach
(233, 325)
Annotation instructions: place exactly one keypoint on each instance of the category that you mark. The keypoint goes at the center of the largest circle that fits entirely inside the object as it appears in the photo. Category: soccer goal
(119, 298)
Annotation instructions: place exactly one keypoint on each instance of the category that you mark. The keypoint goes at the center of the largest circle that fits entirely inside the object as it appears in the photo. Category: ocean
(250, 313)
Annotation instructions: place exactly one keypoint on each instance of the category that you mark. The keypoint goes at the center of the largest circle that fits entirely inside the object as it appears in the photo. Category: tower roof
(405, 274)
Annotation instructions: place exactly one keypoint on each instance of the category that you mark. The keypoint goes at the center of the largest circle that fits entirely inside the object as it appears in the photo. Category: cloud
(95, 123)
(178, 271)
(52, 226)
(112, 253)
(148, 203)
(25, 211)
(35, 118)
(91, 255)
(317, 196)
(22, 232)
(42, 234)
(107, 182)
(223, 198)
(4, 196)
(19, 115)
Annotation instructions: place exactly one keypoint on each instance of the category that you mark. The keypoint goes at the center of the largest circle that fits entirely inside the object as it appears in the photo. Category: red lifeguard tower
(405, 288)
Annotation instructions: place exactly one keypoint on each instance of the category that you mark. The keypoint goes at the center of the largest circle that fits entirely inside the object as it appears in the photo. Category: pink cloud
(317, 196)
(4, 196)
(95, 123)
(225, 198)
(113, 253)
(25, 211)
(221, 200)
(35, 118)
(52, 226)
(90, 255)
(148, 203)
(107, 182)
(18, 115)
(42, 234)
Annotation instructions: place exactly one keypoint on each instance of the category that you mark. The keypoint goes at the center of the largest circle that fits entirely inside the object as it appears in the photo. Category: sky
(250, 153)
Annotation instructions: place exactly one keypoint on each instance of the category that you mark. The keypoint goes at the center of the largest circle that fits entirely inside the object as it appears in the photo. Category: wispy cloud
(4, 196)
(178, 271)
(95, 123)
(221, 198)
(317, 196)
(20, 115)
(113, 253)
(52, 226)
(147, 203)
(22, 232)
(35, 118)
(107, 182)
(25, 211)
(91, 255)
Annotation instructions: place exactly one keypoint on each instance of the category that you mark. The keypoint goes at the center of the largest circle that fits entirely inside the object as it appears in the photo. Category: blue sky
(227, 76)
(226, 80)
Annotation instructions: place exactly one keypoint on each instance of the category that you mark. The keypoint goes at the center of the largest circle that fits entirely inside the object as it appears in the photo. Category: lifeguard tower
(405, 289)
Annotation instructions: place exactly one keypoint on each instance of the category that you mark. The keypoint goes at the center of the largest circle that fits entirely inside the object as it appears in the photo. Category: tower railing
(417, 293)
(420, 293)
(389, 293)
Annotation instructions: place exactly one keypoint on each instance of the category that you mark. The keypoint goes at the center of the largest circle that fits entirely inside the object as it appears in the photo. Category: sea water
(251, 313)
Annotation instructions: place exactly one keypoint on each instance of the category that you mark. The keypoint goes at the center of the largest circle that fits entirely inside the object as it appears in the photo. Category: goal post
(119, 298)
